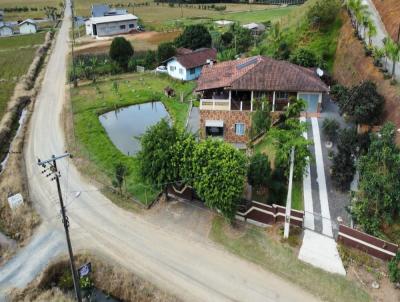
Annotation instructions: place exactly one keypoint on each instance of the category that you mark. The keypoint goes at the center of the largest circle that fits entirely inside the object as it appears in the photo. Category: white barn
(111, 25)
(6, 30)
(27, 27)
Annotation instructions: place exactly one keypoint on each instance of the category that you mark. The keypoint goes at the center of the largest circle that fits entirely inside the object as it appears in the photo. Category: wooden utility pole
(55, 174)
(289, 197)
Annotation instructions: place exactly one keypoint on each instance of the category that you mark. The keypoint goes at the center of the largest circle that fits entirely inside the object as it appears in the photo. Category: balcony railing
(213, 104)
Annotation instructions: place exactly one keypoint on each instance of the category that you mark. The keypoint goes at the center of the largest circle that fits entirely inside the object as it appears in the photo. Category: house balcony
(225, 105)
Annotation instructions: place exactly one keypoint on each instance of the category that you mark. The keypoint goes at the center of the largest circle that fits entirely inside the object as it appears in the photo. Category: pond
(125, 125)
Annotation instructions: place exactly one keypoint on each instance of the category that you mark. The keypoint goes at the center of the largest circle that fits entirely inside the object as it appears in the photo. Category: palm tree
(386, 50)
(359, 10)
(394, 54)
(372, 31)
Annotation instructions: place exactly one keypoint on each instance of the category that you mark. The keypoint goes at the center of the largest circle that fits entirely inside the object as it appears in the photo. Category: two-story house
(187, 65)
(229, 89)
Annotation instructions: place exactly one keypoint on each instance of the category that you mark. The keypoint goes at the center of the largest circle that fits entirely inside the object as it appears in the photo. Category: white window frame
(237, 127)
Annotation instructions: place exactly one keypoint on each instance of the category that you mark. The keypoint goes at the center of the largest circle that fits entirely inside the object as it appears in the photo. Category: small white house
(5, 30)
(187, 66)
(111, 25)
(27, 27)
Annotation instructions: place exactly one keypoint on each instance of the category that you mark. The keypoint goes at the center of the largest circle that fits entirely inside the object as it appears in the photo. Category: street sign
(84, 270)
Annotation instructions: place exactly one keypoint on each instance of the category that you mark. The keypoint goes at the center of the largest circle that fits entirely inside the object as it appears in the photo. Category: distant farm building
(111, 25)
(101, 10)
(27, 27)
(255, 28)
(5, 30)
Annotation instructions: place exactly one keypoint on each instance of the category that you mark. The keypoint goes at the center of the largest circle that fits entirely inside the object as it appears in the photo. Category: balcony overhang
(214, 123)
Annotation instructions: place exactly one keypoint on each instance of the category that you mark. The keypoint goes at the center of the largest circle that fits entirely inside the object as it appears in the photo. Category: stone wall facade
(230, 118)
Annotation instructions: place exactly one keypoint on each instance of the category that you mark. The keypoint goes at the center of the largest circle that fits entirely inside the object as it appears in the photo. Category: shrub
(259, 172)
(165, 51)
(305, 57)
(323, 13)
(394, 268)
(331, 127)
(121, 51)
(193, 37)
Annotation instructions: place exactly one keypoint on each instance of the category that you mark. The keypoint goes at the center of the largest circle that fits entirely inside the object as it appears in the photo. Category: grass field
(15, 49)
(93, 142)
(39, 4)
(256, 246)
(162, 16)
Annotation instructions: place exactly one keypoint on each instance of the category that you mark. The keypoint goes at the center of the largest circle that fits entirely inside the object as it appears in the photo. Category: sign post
(289, 197)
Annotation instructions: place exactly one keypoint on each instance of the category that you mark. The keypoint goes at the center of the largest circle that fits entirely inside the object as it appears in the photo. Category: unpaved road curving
(193, 270)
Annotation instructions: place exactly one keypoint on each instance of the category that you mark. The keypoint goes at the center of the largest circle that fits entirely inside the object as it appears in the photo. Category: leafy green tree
(323, 13)
(331, 128)
(260, 119)
(165, 51)
(242, 38)
(182, 157)
(155, 164)
(220, 172)
(226, 39)
(277, 187)
(377, 201)
(289, 135)
(394, 268)
(121, 51)
(259, 172)
(193, 37)
(364, 104)
(305, 57)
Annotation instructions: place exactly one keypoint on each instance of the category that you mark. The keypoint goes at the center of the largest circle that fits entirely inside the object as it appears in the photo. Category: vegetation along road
(195, 271)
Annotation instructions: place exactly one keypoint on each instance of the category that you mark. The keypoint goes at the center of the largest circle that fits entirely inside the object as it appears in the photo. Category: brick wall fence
(369, 244)
(263, 214)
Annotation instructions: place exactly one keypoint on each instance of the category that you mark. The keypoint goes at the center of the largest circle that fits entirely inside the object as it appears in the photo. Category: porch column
(273, 101)
(251, 101)
(241, 105)
(230, 99)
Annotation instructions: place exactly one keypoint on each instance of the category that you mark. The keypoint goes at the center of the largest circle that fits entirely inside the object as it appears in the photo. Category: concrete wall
(114, 28)
(230, 118)
(27, 28)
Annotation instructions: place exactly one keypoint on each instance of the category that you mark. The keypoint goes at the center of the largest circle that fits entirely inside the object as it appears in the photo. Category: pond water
(125, 125)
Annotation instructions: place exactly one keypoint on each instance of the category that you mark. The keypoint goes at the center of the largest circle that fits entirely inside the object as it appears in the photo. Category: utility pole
(289, 197)
(72, 45)
(56, 176)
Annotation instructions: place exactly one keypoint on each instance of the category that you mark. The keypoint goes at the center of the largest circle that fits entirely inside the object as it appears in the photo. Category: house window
(239, 129)
(282, 95)
(193, 71)
(172, 68)
(131, 25)
(122, 26)
(180, 71)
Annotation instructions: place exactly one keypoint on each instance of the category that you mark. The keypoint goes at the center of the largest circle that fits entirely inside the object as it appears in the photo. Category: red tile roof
(197, 57)
(260, 74)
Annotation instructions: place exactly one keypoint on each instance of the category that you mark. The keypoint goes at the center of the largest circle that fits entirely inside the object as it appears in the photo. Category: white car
(161, 69)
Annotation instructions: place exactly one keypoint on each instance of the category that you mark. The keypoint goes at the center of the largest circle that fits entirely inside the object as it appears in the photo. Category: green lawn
(30, 4)
(256, 246)
(94, 144)
(16, 54)
(297, 196)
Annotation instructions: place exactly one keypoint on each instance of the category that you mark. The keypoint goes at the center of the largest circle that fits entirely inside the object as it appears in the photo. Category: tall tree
(193, 37)
(121, 51)
(394, 54)
(259, 172)
(165, 51)
(377, 201)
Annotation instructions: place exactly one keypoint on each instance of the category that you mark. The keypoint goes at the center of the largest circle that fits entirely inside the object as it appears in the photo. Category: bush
(259, 172)
(165, 51)
(305, 57)
(394, 268)
(331, 127)
(121, 51)
(323, 13)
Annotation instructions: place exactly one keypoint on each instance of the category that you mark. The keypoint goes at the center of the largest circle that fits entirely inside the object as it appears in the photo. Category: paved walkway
(319, 246)
(194, 121)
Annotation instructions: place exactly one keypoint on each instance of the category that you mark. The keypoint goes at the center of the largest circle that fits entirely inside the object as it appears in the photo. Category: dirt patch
(367, 270)
(390, 14)
(352, 67)
(108, 277)
(235, 231)
(140, 42)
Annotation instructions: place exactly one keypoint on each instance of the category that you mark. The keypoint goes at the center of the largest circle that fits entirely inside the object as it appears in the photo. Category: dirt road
(193, 270)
